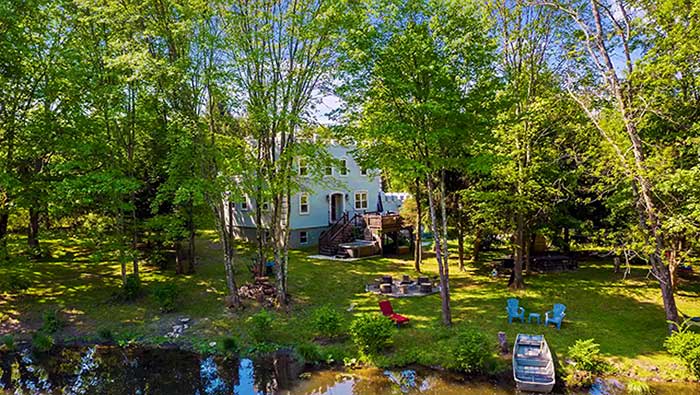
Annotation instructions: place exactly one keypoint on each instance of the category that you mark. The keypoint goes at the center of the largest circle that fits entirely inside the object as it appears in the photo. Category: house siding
(319, 195)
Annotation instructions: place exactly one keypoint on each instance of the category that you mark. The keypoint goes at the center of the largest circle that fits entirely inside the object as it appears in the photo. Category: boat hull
(533, 366)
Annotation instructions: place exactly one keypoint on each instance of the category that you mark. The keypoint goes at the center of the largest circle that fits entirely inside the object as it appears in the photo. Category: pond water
(143, 371)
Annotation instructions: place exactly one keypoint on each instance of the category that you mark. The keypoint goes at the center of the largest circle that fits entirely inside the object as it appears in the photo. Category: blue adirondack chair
(514, 311)
(555, 316)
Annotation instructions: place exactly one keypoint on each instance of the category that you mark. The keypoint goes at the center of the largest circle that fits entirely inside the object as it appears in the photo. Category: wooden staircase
(344, 230)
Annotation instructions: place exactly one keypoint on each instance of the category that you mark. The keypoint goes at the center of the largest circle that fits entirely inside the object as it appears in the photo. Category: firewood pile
(261, 290)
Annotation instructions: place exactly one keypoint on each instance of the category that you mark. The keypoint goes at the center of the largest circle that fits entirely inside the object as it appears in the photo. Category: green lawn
(625, 317)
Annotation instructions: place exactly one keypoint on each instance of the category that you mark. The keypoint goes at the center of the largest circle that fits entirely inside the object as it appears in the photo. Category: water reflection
(148, 371)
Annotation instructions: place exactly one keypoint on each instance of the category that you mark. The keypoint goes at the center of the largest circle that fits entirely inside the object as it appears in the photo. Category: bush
(261, 323)
(635, 387)
(588, 363)
(230, 345)
(693, 361)
(42, 342)
(132, 289)
(158, 256)
(166, 296)
(105, 334)
(13, 282)
(685, 345)
(578, 378)
(51, 322)
(309, 353)
(327, 321)
(7, 343)
(681, 343)
(472, 351)
(372, 333)
(586, 355)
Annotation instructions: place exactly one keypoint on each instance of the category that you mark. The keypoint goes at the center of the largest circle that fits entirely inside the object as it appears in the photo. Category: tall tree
(526, 131)
(281, 55)
(413, 84)
(602, 80)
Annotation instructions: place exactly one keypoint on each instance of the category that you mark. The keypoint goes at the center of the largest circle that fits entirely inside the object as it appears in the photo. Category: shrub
(132, 289)
(586, 355)
(51, 322)
(635, 387)
(578, 378)
(7, 343)
(230, 345)
(686, 345)
(372, 333)
(13, 282)
(261, 323)
(693, 361)
(472, 351)
(327, 321)
(158, 256)
(682, 343)
(42, 342)
(166, 296)
(105, 334)
(309, 353)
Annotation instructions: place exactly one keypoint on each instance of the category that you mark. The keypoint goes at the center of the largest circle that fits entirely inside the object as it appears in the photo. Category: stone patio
(401, 289)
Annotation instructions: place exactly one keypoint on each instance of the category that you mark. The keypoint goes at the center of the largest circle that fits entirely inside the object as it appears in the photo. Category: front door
(336, 206)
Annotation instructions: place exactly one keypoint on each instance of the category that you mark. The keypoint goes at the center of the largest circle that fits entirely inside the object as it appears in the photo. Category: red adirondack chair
(388, 311)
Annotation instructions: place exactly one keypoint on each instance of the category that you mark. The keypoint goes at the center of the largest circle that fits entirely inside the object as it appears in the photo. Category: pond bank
(169, 369)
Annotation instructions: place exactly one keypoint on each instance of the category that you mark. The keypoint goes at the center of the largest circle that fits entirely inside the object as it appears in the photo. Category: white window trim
(264, 208)
(306, 166)
(307, 237)
(325, 174)
(247, 204)
(308, 204)
(347, 168)
(364, 172)
(355, 200)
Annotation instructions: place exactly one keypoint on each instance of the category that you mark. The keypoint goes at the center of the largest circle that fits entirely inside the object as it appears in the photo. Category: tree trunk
(233, 300)
(33, 233)
(4, 218)
(259, 233)
(528, 251)
(179, 264)
(443, 215)
(418, 250)
(191, 246)
(134, 240)
(477, 245)
(444, 280)
(460, 237)
(518, 282)
(280, 253)
(567, 240)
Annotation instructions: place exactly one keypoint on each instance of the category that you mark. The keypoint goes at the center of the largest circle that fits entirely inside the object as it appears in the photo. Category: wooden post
(503, 342)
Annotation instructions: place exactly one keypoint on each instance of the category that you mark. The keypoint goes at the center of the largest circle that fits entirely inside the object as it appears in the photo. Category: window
(363, 171)
(361, 200)
(265, 206)
(328, 171)
(303, 167)
(303, 237)
(343, 167)
(244, 205)
(304, 203)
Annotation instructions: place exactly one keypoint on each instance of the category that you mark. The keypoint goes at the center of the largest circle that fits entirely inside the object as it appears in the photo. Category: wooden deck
(384, 222)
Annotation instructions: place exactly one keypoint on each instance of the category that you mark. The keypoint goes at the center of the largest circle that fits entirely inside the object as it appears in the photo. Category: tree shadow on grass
(626, 318)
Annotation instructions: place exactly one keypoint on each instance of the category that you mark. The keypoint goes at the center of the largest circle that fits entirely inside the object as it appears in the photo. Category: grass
(625, 317)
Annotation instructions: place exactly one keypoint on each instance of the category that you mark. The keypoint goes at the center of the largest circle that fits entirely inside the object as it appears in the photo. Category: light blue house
(343, 189)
